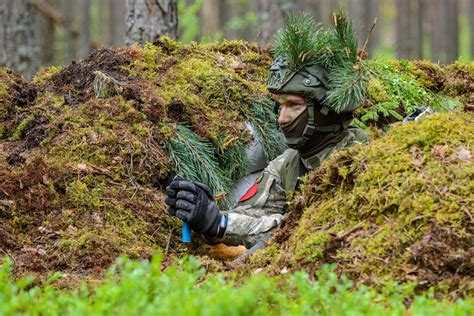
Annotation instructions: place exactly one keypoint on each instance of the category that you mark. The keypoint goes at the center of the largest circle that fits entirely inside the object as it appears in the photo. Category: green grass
(145, 288)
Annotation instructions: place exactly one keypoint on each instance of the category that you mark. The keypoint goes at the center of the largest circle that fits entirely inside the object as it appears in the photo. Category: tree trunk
(452, 30)
(327, 6)
(311, 6)
(363, 14)
(210, 22)
(147, 20)
(409, 29)
(271, 15)
(69, 10)
(117, 11)
(47, 32)
(444, 31)
(18, 45)
(105, 25)
(84, 39)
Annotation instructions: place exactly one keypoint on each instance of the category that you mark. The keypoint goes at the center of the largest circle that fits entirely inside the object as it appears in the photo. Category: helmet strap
(310, 127)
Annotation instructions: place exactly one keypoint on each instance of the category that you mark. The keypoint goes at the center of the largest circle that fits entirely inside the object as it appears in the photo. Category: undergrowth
(146, 288)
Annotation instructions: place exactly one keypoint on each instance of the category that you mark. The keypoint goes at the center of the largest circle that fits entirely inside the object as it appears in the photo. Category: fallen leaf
(463, 153)
(45, 179)
(82, 167)
(439, 151)
(417, 157)
(92, 137)
(7, 203)
(96, 218)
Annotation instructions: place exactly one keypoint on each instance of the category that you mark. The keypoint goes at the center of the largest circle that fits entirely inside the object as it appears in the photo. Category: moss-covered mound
(86, 150)
(399, 208)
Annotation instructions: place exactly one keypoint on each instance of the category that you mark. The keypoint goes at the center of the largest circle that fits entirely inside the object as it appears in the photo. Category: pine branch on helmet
(321, 65)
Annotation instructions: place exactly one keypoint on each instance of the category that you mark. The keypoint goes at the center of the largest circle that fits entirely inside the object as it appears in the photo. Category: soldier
(312, 130)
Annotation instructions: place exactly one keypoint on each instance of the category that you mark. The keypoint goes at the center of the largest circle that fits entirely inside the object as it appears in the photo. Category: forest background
(64, 30)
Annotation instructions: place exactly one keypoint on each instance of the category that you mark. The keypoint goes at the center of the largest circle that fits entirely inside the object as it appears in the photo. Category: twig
(49, 12)
(467, 213)
(168, 242)
(8, 255)
(368, 35)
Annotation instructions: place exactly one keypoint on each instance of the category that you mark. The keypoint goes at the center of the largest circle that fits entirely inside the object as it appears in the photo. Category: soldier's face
(291, 106)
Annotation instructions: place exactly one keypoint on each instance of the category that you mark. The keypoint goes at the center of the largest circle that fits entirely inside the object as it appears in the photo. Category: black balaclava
(307, 148)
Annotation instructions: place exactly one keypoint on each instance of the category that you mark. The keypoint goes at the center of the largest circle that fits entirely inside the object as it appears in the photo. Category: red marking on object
(250, 192)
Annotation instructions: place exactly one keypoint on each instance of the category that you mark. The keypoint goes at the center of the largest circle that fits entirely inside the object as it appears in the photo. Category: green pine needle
(194, 159)
(344, 32)
(299, 40)
(234, 160)
(264, 123)
(350, 88)
(303, 41)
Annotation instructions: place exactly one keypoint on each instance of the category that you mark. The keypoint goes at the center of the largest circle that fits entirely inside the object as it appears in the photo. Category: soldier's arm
(260, 210)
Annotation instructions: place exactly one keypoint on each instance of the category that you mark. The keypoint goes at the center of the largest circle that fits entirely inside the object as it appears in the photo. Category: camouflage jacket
(263, 207)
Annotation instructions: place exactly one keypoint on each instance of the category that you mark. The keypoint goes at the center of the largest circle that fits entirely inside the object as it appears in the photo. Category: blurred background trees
(43, 32)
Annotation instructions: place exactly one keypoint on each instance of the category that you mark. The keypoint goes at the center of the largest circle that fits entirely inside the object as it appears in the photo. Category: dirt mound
(399, 208)
(86, 151)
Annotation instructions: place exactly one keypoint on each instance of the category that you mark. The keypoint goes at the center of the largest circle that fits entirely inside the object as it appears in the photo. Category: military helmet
(320, 64)
(310, 80)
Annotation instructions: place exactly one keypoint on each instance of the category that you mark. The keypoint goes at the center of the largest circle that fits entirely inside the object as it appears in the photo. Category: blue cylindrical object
(186, 237)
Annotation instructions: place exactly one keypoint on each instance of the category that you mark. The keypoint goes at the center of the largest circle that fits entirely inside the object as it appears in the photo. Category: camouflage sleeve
(260, 210)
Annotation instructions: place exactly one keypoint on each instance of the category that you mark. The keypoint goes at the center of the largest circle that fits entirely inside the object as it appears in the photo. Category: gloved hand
(194, 203)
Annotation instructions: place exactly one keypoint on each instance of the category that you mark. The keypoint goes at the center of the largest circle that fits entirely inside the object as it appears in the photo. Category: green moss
(45, 74)
(80, 194)
(376, 91)
(369, 206)
(148, 64)
(428, 74)
(265, 256)
(21, 129)
(5, 82)
(3, 90)
(313, 247)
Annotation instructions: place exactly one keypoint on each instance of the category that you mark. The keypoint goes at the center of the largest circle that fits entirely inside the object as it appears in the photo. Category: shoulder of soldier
(359, 135)
(275, 166)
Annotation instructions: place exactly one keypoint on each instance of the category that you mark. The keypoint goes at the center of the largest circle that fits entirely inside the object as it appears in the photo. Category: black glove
(170, 199)
(194, 203)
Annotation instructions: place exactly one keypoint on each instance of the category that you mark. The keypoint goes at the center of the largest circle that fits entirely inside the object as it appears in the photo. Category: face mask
(294, 131)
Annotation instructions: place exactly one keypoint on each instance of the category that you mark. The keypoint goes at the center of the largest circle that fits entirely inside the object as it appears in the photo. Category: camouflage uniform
(265, 209)
(313, 135)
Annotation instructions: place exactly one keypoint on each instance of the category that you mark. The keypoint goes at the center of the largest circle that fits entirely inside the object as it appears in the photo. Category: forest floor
(86, 151)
